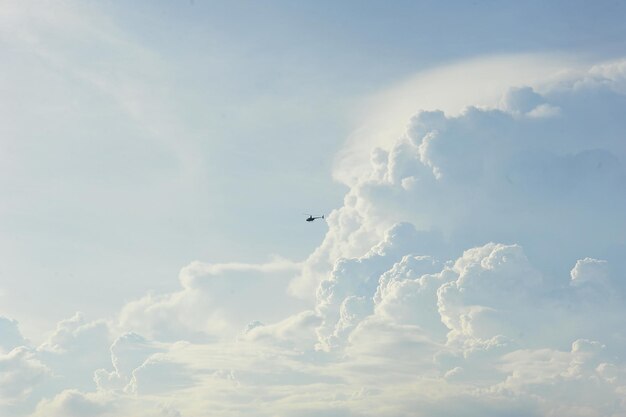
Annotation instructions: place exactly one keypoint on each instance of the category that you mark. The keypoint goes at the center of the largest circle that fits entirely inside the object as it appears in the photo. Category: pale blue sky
(253, 98)
(138, 137)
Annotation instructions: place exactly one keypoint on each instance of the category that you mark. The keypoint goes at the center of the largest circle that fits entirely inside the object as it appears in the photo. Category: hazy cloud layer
(475, 269)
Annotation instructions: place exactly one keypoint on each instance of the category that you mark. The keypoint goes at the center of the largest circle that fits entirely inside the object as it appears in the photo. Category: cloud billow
(473, 270)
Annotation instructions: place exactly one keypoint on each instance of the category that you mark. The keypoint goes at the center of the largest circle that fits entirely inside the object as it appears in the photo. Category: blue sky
(158, 157)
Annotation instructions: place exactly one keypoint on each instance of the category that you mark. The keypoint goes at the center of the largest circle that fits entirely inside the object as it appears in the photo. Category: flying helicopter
(311, 217)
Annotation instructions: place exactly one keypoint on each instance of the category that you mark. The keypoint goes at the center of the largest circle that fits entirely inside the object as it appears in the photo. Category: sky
(158, 159)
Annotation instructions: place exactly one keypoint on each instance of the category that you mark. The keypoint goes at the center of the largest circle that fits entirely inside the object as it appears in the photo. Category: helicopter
(311, 217)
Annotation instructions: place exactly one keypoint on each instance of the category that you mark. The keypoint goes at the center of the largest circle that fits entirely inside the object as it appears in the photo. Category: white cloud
(589, 271)
(296, 332)
(471, 271)
(490, 300)
(478, 82)
(577, 382)
(486, 174)
(345, 297)
(76, 334)
(525, 171)
(73, 351)
(70, 403)
(216, 300)
(128, 353)
(20, 373)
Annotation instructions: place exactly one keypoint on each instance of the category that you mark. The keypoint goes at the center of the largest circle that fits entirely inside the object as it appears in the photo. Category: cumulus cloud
(590, 272)
(489, 300)
(66, 359)
(210, 301)
(20, 372)
(411, 296)
(488, 174)
(296, 332)
(407, 294)
(524, 172)
(72, 352)
(479, 82)
(580, 381)
(72, 403)
(129, 352)
(345, 297)
(474, 269)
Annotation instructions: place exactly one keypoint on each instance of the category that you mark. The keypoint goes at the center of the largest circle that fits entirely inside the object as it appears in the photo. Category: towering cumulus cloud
(476, 268)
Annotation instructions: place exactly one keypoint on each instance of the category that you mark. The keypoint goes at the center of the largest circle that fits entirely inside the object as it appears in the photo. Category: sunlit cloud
(474, 268)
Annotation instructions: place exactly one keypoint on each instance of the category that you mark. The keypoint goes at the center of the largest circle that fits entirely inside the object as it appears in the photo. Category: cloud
(590, 272)
(20, 372)
(129, 352)
(73, 403)
(296, 332)
(474, 269)
(66, 359)
(488, 303)
(345, 297)
(577, 382)
(479, 82)
(73, 351)
(407, 294)
(210, 302)
(488, 174)
(472, 329)
(540, 171)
